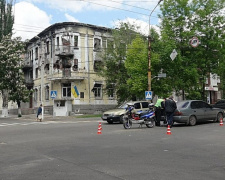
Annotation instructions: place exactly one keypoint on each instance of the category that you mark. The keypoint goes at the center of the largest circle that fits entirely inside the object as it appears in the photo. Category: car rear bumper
(180, 119)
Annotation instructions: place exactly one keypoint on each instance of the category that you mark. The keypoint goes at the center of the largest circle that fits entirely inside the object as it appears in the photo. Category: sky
(33, 16)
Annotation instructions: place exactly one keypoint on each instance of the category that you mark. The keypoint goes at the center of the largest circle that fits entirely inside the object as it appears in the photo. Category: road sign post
(148, 95)
(53, 94)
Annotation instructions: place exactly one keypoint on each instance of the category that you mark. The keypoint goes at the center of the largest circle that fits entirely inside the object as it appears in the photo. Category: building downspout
(88, 64)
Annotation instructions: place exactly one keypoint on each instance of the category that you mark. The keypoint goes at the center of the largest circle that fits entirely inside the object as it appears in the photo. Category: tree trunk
(5, 112)
(19, 109)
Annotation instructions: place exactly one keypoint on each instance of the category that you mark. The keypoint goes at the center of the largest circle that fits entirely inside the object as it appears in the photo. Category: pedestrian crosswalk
(41, 123)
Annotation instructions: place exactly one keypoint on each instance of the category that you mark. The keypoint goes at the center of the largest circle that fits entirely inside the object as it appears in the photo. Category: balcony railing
(64, 51)
(27, 64)
(66, 72)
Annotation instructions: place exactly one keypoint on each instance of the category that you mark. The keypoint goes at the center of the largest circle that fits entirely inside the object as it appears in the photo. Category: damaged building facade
(61, 64)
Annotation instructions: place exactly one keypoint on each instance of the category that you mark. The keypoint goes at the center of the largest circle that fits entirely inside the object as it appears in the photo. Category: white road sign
(53, 94)
(173, 55)
(148, 95)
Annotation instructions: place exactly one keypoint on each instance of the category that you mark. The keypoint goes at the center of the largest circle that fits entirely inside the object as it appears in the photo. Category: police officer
(158, 110)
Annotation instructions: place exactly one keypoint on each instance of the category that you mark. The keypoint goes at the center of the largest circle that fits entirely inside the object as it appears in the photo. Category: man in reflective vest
(158, 106)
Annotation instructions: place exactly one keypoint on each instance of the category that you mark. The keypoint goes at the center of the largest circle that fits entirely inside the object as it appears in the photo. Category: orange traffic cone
(221, 122)
(168, 130)
(100, 128)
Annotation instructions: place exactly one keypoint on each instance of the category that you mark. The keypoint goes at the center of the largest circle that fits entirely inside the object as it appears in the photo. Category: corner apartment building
(61, 67)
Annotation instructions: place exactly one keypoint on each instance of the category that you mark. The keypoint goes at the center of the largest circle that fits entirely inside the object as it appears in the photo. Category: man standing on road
(158, 110)
(170, 107)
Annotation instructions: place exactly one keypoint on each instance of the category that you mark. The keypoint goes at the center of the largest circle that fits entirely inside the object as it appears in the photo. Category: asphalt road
(70, 149)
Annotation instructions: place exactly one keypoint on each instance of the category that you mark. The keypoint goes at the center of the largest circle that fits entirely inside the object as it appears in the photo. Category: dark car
(220, 104)
(192, 111)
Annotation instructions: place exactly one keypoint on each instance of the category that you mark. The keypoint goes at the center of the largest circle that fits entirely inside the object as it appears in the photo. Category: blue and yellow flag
(75, 92)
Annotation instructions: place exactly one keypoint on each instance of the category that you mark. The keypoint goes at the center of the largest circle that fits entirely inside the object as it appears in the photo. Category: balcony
(66, 72)
(66, 75)
(97, 55)
(64, 51)
(29, 82)
(27, 64)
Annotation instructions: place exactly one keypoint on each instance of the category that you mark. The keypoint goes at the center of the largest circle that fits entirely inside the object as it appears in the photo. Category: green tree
(6, 25)
(12, 78)
(136, 65)
(114, 70)
(6, 18)
(181, 21)
(11, 49)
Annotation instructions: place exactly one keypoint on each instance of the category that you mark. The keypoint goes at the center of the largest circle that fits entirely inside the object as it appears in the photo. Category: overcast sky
(33, 16)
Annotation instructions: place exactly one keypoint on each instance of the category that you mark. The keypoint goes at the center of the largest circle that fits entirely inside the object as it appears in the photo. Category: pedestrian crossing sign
(53, 94)
(148, 95)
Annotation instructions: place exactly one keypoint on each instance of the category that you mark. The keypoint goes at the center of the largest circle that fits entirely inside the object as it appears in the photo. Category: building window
(57, 42)
(30, 55)
(66, 90)
(35, 94)
(36, 72)
(97, 44)
(110, 44)
(36, 53)
(111, 93)
(39, 93)
(60, 103)
(47, 47)
(98, 65)
(97, 90)
(75, 41)
(82, 95)
(47, 92)
(75, 66)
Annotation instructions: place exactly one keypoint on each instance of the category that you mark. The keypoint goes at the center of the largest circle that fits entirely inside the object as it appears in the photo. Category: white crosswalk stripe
(42, 123)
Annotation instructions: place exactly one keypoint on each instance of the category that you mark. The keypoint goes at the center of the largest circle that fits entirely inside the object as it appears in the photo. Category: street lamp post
(149, 50)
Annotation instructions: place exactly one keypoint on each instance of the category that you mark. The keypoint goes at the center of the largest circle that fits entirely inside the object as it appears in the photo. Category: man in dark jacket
(170, 107)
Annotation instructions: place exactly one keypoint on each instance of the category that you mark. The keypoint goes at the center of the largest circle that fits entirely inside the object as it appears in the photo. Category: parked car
(116, 115)
(192, 111)
(220, 104)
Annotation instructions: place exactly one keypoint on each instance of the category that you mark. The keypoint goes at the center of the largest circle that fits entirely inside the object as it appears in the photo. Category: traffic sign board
(53, 94)
(173, 55)
(148, 95)
(194, 42)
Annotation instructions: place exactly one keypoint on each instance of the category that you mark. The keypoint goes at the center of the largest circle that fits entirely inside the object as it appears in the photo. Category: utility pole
(149, 50)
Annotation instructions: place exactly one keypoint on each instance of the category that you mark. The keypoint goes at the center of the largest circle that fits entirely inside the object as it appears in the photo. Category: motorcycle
(141, 117)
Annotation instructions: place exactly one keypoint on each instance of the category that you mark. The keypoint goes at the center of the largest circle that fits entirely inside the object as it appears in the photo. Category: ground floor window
(35, 94)
(97, 90)
(47, 92)
(39, 93)
(111, 93)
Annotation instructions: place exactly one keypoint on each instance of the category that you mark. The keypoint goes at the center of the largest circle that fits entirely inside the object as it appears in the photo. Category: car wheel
(110, 121)
(121, 119)
(219, 116)
(192, 121)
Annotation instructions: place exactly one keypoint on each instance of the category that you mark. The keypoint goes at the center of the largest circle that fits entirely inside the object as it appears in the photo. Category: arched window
(47, 92)
(39, 93)
(35, 94)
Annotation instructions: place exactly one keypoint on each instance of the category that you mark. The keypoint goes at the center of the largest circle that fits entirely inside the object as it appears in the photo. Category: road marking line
(43, 123)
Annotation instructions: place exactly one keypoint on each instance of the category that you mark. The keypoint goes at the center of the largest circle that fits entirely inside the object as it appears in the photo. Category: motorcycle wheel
(127, 124)
(150, 123)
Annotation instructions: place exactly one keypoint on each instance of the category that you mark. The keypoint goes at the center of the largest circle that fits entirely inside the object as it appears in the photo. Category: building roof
(64, 24)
